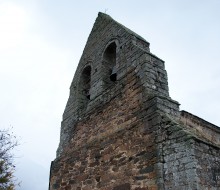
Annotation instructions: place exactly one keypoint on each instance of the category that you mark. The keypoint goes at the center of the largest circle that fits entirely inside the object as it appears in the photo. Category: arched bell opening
(84, 88)
(109, 64)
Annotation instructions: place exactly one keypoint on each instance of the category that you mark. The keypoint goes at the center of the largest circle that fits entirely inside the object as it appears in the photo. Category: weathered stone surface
(125, 186)
(120, 128)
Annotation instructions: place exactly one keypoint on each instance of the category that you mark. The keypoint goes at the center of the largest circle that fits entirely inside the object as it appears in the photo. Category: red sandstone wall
(110, 149)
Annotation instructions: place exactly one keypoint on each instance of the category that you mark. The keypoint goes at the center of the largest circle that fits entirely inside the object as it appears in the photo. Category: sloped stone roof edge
(124, 27)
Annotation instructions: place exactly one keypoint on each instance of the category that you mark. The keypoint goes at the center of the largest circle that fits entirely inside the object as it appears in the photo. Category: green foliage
(7, 143)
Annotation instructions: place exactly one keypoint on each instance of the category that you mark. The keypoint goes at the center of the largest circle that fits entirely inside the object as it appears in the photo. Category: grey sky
(41, 42)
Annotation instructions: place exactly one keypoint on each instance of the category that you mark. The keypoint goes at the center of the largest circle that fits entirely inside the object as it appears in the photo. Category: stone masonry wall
(189, 161)
(202, 128)
(112, 148)
(178, 156)
(114, 163)
(208, 167)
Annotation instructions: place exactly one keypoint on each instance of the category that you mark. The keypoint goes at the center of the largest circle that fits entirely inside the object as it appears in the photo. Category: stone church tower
(122, 131)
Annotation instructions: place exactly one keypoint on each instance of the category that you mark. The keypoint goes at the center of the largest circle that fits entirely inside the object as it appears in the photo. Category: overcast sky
(41, 42)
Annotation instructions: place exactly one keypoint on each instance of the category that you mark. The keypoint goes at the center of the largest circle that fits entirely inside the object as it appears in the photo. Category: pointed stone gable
(121, 130)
